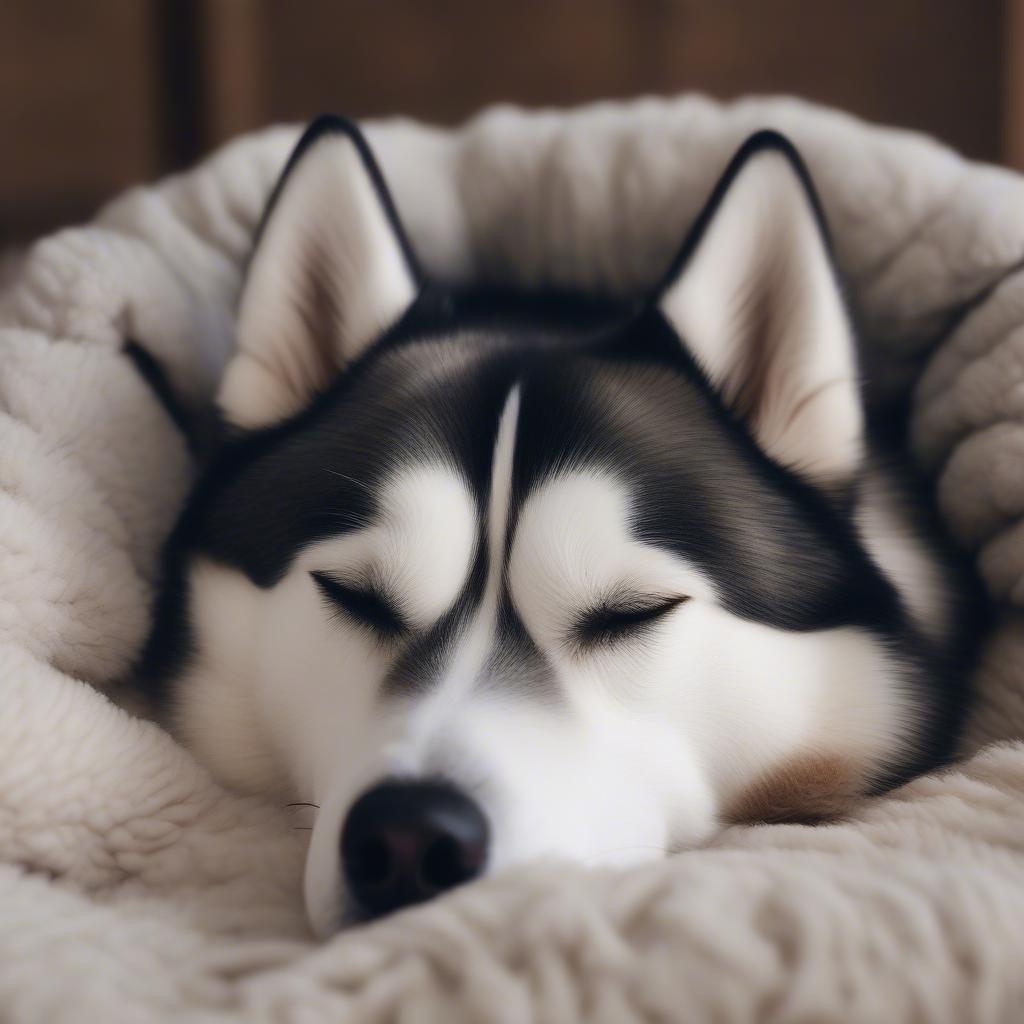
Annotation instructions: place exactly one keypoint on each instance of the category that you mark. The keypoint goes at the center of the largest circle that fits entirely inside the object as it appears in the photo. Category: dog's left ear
(754, 297)
(332, 270)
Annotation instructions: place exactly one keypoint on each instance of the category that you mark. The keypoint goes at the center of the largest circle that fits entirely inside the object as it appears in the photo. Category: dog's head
(485, 588)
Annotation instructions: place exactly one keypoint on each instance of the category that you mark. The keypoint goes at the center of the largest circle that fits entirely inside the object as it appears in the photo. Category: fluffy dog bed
(133, 888)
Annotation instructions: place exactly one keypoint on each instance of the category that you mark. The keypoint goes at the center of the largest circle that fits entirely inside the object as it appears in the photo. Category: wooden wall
(79, 106)
(97, 94)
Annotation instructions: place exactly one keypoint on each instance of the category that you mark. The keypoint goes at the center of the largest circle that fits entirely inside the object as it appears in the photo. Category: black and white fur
(619, 574)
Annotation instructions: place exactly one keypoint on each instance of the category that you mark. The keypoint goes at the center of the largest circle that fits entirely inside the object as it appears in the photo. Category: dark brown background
(98, 94)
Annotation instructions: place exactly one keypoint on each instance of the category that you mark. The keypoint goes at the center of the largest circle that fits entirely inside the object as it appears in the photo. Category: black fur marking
(515, 663)
(150, 370)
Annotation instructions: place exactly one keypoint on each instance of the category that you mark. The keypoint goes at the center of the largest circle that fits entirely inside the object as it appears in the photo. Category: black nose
(404, 842)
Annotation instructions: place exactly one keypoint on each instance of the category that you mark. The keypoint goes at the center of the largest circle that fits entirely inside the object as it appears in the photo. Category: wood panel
(935, 65)
(98, 94)
(78, 85)
(1013, 85)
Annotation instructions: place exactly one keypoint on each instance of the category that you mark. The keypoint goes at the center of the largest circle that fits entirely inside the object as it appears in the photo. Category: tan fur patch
(808, 788)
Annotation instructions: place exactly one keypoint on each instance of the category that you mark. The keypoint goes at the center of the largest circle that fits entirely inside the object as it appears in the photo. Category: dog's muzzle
(404, 842)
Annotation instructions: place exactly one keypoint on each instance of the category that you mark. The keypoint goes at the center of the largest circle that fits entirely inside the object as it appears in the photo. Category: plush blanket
(133, 888)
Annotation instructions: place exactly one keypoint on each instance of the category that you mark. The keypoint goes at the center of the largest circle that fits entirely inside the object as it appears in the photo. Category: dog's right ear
(332, 270)
(754, 297)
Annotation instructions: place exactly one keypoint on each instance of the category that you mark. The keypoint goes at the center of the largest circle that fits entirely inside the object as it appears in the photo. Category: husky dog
(488, 578)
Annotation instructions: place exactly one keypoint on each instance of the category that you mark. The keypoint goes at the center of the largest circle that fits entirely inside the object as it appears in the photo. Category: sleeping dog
(490, 577)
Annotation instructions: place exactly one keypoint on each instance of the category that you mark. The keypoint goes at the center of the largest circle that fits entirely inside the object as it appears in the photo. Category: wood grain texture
(935, 65)
(78, 88)
(98, 94)
(1013, 85)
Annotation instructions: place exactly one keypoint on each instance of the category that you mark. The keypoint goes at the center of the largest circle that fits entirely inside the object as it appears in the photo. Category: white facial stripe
(422, 548)
(501, 486)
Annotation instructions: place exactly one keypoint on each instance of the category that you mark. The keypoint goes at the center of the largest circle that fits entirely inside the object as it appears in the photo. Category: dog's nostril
(371, 862)
(447, 863)
(405, 842)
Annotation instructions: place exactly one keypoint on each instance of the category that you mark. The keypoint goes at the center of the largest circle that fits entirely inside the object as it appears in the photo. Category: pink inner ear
(331, 272)
(758, 304)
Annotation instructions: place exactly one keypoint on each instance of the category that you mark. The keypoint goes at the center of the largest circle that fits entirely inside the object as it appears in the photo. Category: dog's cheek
(319, 682)
(219, 710)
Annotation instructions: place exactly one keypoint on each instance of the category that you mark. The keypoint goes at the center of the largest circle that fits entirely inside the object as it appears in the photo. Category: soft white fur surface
(132, 888)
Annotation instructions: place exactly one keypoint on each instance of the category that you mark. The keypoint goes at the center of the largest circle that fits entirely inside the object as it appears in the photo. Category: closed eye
(608, 623)
(364, 606)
